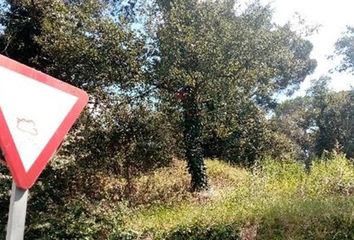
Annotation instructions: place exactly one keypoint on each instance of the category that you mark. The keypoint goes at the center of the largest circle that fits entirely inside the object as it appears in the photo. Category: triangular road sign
(36, 112)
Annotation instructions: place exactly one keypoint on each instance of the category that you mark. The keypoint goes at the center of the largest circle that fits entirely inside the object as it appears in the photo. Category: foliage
(295, 119)
(225, 68)
(200, 232)
(249, 139)
(335, 124)
(78, 42)
(345, 48)
(119, 133)
(280, 146)
(320, 122)
(5, 186)
(136, 140)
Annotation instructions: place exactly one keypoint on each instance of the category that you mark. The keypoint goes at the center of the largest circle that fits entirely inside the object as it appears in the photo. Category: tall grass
(276, 200)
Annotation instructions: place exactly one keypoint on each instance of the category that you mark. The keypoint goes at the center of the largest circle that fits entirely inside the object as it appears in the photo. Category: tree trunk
(193, 145)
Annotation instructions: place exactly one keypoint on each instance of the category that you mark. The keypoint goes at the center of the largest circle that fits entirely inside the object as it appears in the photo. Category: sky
(333, 17)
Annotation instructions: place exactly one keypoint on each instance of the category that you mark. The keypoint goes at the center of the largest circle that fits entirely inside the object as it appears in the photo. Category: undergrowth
(275, 200)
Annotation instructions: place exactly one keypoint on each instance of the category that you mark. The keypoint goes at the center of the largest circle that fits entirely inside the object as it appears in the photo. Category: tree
(217, 61)
(333, 116)
(119, 134)
(319, 92)
(345, 48)
(320, 122)
(22, 23)
(295, 118)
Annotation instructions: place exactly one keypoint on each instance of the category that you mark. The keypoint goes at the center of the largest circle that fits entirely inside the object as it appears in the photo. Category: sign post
(17, 213)
(36, 112)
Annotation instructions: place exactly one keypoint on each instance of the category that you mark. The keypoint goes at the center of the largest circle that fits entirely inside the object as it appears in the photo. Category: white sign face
(33, 112)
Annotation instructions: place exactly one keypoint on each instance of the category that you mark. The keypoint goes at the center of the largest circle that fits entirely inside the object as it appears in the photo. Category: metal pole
(17, 213)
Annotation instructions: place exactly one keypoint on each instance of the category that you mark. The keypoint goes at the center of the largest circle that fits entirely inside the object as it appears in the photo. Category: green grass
(273, 201)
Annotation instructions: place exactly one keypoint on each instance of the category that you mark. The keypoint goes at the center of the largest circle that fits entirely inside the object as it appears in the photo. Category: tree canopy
(345, 48)
(228, 66)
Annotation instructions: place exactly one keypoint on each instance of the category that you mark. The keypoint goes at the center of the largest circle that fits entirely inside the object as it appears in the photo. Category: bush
(225, 232)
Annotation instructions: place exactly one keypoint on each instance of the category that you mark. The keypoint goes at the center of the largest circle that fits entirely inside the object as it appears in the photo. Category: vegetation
(344, 48)
(173, 83)
(273, 201)
(319, 122)
(225, 68)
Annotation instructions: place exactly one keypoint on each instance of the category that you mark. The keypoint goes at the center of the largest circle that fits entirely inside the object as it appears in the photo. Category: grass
(276, 200)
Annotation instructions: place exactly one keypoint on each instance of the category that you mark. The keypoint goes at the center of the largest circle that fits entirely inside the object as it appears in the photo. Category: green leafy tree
(217, 62)
(320, 122)
(89, 44)
(319, 92)
(345, 48)
(333, 115)
(295, 118)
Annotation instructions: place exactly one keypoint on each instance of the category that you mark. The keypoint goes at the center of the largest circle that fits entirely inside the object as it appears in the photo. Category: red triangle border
(23, 179)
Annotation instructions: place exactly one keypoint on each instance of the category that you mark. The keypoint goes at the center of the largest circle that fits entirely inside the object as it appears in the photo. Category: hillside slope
(272, 201)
